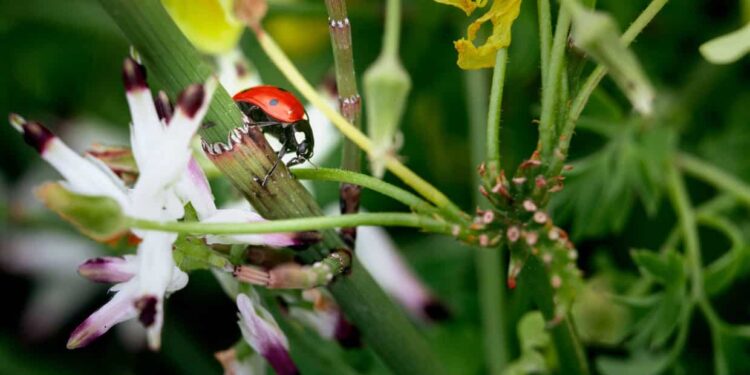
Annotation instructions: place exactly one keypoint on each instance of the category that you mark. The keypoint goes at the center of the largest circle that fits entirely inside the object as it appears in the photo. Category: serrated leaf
(667, 269)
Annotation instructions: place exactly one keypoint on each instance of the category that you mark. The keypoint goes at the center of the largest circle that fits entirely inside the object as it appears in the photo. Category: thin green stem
(392, 28)
(298, 225)
(489, 262)
(545, 34)
(551, 86)
(582, 98)
(715, 176)
(414, 202)
(424, 188)
(494, 113)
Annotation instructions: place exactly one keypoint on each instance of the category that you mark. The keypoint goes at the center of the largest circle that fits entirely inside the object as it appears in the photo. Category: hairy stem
(582, 98)
(176, 64)
(551, 85)
(414, 202)
(350, 105)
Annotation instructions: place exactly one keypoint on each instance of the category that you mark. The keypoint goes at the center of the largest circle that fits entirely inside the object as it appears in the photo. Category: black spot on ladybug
(274, 102)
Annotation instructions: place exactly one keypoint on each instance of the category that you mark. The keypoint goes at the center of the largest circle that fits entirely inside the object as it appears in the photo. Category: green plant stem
(424, 188)
(392, 28)
(299, 224)
(689, 227)
(551, 86)
(414, 202)
(582, 98)
(489, 262)
(571, 357)
(350, 105)
(176, 64)
(495, 109)
(715, 176)
(545, 34)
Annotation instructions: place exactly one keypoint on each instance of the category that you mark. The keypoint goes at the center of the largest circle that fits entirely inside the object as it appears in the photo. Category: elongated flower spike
(263, 334)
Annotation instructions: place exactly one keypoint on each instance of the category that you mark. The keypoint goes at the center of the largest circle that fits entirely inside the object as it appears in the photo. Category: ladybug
(281, 115)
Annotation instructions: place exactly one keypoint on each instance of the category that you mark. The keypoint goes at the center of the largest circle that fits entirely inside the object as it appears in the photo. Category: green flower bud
(386, 86)
(97, 217)
(597, 34)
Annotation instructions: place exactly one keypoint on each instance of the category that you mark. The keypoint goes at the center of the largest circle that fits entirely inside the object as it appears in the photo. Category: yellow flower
(502, 13)
(209, 24)
(467, 6)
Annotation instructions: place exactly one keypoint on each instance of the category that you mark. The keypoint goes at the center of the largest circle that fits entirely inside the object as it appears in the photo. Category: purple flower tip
(147, 307)
(81, 336)
(106, 270)
(278, 357)
(36, 135)
(163, 106)
(133, 75)
(347, 334)
(303, 240)
(436, 311)
(191, 99)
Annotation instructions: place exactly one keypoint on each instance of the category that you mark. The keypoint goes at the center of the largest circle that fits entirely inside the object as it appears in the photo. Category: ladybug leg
(280, 154)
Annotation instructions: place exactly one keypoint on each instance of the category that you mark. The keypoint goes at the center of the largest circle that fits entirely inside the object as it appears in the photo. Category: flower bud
(386, 86)
(597, 34)
(95, 216)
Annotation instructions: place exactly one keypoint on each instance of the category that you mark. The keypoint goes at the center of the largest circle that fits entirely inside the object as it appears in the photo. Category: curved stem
(582, 98)
(355, 135)
(715, 176)
(375, 184)
(299, 224)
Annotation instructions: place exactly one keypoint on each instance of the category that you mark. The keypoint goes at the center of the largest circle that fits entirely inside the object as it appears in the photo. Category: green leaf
(667, 269)
(642, 363)
(100, 218)
(535, 341)
(727, 48)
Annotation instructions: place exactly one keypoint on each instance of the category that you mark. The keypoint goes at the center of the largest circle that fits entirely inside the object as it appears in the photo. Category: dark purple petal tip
(436, 311)
(347, 334)
(278, 357)
(133, 75)
(147, 308)
(302, 240)
(191, 99)
(163, 106)
(36, 135)
(105, 270)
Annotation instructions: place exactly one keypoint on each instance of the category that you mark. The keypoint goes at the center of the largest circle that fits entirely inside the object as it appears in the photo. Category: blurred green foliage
(61, 62)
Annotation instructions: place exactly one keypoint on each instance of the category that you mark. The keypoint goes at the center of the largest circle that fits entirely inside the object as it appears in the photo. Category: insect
(282, 116)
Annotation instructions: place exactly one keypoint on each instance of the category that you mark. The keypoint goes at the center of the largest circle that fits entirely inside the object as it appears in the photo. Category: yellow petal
(300, 36)
(467, 6)
(501, 14)
(209, 24)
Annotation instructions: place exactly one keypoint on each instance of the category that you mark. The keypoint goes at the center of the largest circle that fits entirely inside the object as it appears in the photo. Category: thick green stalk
(171, 58)
(350, 104)
(715, 176)
(299, 224)
(488, 261)
(582, 98)
(551, 87)
(414, 202)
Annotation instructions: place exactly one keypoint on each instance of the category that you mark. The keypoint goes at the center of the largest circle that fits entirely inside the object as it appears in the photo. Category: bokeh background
(61, 64)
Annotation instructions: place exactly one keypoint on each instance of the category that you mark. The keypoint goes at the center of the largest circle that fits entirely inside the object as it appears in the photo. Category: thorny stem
(423, 222)
(391, 162)
(414, 202)
(582, 98)
(489, 264)
(715, 176)
(176, 64)
(551, 85)
(350, 104)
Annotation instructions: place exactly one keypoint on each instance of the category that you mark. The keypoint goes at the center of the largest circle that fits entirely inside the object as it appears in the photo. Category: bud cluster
(519, 217)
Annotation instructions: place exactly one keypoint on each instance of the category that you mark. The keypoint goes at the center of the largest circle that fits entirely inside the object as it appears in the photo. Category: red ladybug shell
(275, 102)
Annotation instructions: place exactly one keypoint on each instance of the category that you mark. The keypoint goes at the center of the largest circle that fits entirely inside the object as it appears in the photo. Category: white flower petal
(193, 187)
(118, 309)
(246, 216)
